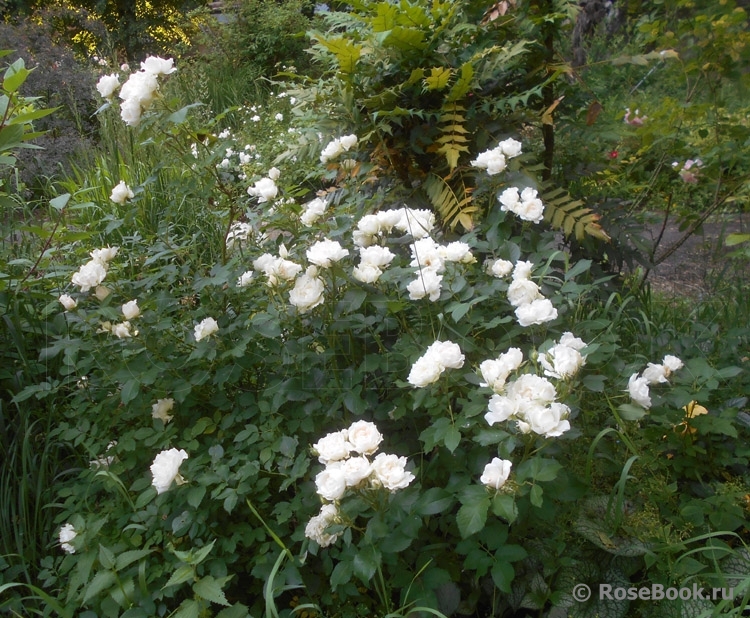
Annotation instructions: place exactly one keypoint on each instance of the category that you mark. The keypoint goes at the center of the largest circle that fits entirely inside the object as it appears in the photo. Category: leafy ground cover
(360, 346)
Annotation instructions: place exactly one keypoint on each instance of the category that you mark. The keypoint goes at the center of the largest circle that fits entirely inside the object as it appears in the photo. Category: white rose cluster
(529, 400)
(277, 269)
(496, 160)
(337, 147)
(139, 91)
(324, 253)
(638, 385)
(308, 291)
(525, 295)
(372, 261)
(350, 466)
(93, 272)
(313, 210)
(370, 228)
(438, 357)
(429, 258)
(526, 205)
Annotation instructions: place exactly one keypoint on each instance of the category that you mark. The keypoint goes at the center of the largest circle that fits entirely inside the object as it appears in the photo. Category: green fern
(571, 216)
(454, 205)
(452, 141)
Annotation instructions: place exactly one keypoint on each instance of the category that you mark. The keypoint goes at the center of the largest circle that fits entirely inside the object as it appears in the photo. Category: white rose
(332, 447)
(496, 372)
(348, 141)
(390, 472)
(313, 211)
(286, 270)
(315, 529)
(510, 147)
(366, 273)
(500, 409)
(376, 256)
(66, 535)
(121, 193)
(274, 173)
(522, 270)
(107, 85)
(264, 189)
(245, 279)
(104, 255)
(500, 268)
(530, 210)
(67, 302)
(325, 252)
(561, 362)
(548, 422)
(570, 340)
(166, 468)
(447, 353)
(308, 291)
(331, 151)
(121, 331)
(424, 371)
(141, 88)
(206, 328)
(388, 219)
(364, 437)
(89, 275)
(536, 312)
(532, 388)
(491, 160)
(158, 66)
(638, 390)
(427, 283)
(523, 292)
(331, 483)
(426, 255)
(672, 363)
(509, 199)
(496, 473)
(655, 374)
(356, 470)
(369, 224)
(418, 223)
(131, 310)
(161, 410)
(130, 112)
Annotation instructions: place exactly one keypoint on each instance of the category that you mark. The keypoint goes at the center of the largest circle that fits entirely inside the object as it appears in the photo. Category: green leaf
(127, 558)
(102, 580)
(106, 557)
(471, 517)
(452, 438)
(183, 573)
(438, 78)
(189, 608)
(504, 505)
(59, 202)
(503, 574)
(130, 391)
(536, 495)
(630, 412)
(538, 469)
(238, 610)
(341, 574)
(366, 562)
(209, 588)
(180, 115)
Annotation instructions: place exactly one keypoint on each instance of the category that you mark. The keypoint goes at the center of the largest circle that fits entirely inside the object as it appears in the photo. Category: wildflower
(66, 535)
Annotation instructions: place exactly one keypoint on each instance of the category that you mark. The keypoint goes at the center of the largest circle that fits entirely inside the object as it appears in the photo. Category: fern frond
(452, 141)
(571, 216)
(453, 205)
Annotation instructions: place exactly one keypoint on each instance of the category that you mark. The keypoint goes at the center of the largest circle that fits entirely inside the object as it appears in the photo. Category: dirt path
(700, 264)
